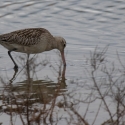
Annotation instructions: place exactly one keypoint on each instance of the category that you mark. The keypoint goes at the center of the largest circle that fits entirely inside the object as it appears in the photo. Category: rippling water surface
(84, 25)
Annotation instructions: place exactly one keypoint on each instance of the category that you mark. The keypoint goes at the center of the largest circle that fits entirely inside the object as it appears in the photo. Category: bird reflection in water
(26, 96)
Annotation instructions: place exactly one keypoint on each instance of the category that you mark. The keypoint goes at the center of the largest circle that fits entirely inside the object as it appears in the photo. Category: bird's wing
(24, 37)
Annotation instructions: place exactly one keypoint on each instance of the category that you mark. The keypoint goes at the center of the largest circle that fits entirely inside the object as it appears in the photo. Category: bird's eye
(64, 45)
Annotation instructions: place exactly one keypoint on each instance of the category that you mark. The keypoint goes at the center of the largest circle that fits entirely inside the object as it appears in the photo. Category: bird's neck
(55, 43)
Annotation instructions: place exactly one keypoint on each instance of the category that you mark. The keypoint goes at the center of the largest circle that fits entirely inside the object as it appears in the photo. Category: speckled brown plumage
(31, 41)
(24, 37)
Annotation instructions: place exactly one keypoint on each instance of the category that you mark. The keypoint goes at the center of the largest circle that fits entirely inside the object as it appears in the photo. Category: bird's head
(61, 44)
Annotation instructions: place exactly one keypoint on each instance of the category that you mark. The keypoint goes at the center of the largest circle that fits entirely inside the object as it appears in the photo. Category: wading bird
(32, 41)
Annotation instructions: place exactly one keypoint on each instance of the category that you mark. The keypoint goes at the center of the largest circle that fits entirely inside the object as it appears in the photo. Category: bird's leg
(27, 63)
(28, 69)
(28, 58)
(28, 55)
(9, 53)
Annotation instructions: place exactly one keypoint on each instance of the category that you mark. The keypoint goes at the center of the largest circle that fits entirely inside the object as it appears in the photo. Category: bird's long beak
(63, 58)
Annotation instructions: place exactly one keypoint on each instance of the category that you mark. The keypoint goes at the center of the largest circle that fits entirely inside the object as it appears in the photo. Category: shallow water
(84, 25)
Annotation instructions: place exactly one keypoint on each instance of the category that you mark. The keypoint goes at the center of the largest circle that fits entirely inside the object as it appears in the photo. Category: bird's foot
(16, 68)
